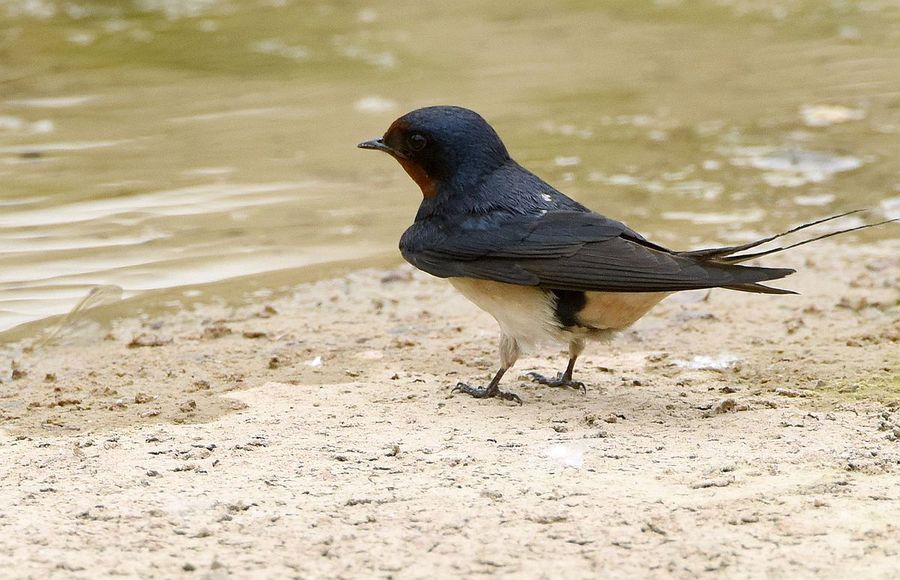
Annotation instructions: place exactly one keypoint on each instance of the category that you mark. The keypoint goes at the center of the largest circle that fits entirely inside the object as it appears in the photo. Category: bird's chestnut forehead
(411, 123)
(398, 127)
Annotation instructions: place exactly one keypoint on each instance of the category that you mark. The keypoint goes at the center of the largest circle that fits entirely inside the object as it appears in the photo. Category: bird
(547, 268)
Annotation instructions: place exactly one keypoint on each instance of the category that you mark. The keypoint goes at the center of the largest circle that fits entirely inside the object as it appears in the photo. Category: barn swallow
(547, 268)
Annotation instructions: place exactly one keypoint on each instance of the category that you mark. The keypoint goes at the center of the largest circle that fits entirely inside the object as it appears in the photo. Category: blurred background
(158, 145)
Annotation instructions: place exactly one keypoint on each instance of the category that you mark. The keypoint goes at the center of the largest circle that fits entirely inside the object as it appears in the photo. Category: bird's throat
(420, 176)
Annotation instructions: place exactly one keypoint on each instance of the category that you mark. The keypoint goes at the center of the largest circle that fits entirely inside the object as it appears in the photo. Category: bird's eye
(417, 141)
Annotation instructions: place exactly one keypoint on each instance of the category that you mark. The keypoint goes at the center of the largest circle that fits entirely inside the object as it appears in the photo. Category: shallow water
(152, 144)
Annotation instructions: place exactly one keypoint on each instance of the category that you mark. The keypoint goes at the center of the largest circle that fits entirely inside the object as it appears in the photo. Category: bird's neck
(466, 192)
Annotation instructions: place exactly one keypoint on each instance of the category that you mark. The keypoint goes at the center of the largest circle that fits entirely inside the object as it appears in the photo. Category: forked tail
(731, 254)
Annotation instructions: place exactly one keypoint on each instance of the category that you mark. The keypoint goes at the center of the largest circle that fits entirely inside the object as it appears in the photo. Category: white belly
(524, 313)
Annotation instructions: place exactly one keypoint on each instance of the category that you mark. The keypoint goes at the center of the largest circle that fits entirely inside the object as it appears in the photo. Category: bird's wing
(568, 250)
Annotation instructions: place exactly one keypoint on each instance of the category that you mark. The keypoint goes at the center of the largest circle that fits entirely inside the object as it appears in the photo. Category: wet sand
(311, 432)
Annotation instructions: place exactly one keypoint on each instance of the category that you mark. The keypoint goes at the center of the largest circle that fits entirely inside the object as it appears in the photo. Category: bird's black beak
(380, 145)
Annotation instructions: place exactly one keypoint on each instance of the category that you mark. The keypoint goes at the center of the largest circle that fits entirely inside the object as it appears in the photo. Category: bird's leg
(509, 352)
(564, 379)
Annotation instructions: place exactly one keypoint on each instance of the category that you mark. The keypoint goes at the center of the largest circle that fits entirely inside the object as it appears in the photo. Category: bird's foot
(486, 392)
(561, 380)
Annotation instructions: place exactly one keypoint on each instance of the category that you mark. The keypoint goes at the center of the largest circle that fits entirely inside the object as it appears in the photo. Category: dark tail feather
(748, 278)
(759, 289)
(744, 257)
(753, 275)
(728, 250)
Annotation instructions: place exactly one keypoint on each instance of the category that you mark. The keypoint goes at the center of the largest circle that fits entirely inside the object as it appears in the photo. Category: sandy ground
(311, 433)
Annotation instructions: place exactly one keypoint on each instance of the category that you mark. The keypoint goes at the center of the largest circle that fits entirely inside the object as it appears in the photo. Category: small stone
(200, 385)
(724, 406)
(789, 393)
(217, 330)
(145, 340)
(267, 312)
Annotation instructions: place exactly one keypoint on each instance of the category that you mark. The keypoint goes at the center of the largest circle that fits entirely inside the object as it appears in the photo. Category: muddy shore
(310, 431)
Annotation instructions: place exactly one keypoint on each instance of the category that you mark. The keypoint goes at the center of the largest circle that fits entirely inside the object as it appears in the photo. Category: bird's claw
(559, 381)
(486, 392)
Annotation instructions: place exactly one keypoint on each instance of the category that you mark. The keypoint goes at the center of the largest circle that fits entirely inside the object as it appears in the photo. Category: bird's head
(442, 145)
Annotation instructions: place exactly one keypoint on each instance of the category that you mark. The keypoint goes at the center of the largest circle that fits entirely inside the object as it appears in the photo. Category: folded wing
(568, 250)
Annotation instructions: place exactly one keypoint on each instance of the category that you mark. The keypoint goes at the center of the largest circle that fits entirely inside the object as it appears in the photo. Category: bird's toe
(560, 381)
(485, 392)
